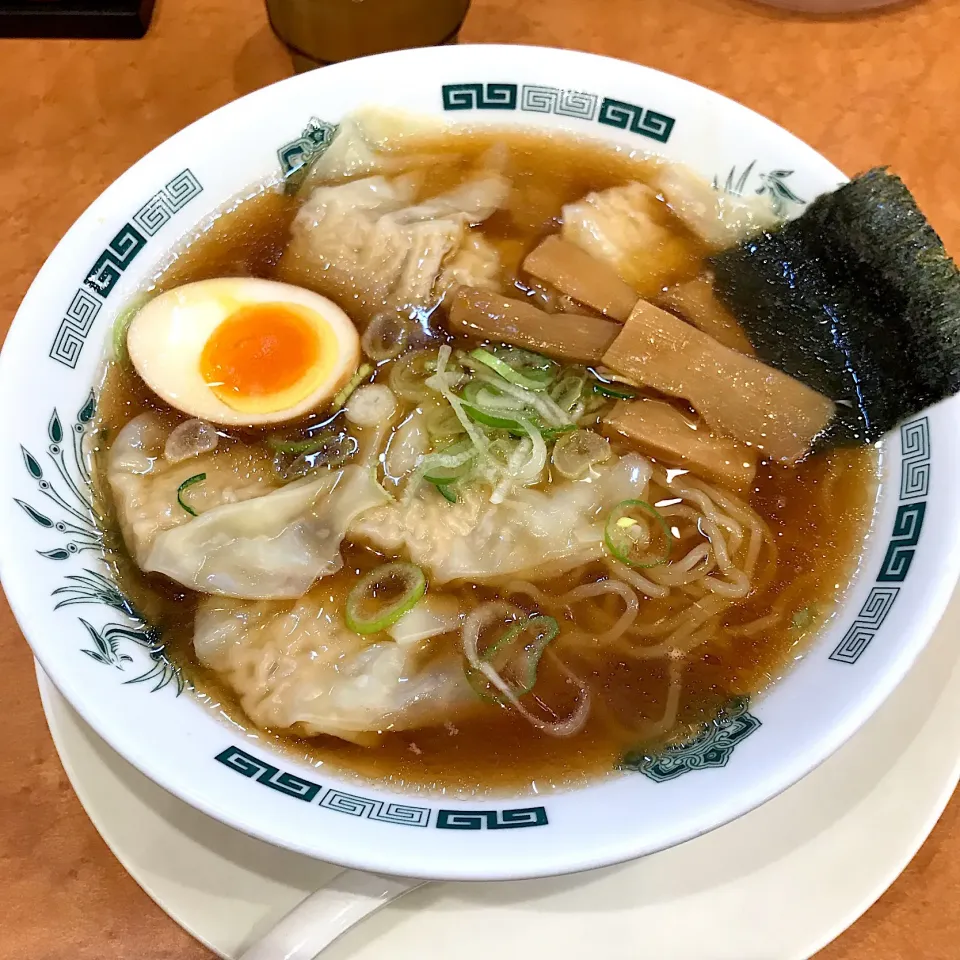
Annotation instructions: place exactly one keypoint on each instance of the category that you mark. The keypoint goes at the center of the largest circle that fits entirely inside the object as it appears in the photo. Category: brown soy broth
(817, 513)
(245, 241)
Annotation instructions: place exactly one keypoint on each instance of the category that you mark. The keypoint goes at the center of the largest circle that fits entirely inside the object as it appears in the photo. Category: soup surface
(722, 589)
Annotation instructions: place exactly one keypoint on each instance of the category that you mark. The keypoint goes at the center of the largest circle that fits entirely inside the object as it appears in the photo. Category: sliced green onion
(551, 433)
(445, 468)
(628, 536)
(445, 491)
(544, 405)
(592, 403)
(567, 391)
(501, 450)
(575, 453)
(483, 405)
(493, 420)
(344, 395)
(518, 357)
(336, 450)
(313, 444)
(409, 373)
(450, 464)
(483, 687)
(515, 656)
(441, 382)
(802, 618)
(510, 475)
(614, 390)
(120, 327)
(442, 422)
(488, 397)
(383, 596)
(532, 468)
(530, 378)
(189, 482)
(386, 336)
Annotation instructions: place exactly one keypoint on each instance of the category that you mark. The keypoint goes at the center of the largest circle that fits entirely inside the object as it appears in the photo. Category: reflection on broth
(600, 569)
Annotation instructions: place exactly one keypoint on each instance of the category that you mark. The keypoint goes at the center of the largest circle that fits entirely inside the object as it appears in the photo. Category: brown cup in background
(319, 32)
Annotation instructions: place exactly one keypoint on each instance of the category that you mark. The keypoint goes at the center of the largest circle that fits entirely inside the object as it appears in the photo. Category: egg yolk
(259, 351)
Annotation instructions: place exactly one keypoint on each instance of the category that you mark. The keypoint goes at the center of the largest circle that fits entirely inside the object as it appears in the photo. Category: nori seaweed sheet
(858, 299)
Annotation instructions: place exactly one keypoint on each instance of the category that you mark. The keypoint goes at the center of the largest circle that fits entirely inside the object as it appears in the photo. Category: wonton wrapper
(299, 667)
(271, 546)
(531, 533)
(369, 247)
(144, 484)
(250, 538)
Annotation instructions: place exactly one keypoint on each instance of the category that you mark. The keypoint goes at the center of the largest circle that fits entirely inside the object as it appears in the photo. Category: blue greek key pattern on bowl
(905, 537)
(915, 470)
(170, 200)
(869, 620)
(248, 765)
(120, 252)
(354, 805)
(581, 105)
(564, 103)
(491, 819)
(479, 96)
(108, 268)
(907, 527)
(74, 328)
(636, 119)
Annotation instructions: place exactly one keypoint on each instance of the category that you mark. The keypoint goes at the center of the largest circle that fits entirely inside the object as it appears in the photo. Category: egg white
(166, 339)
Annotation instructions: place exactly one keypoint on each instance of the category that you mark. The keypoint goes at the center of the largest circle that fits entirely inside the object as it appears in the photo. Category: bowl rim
(373, 857)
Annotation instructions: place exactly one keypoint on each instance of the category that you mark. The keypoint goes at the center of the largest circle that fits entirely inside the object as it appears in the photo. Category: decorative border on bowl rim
(353, 805)
(576, 104)
(915, 469)
(120, 252)
(711, 748)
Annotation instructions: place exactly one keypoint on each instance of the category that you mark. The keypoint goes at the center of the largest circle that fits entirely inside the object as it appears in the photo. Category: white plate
(777, 884)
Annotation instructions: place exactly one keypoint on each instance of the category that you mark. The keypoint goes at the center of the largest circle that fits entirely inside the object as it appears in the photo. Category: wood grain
(871, 89)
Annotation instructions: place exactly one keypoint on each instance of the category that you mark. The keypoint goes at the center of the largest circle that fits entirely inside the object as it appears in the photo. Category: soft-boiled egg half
(242, 351)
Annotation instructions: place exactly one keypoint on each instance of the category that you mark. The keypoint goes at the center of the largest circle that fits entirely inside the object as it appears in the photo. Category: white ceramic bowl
(105, 666)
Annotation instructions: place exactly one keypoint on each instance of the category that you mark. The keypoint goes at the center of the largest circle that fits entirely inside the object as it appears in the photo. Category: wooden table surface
(883, 88)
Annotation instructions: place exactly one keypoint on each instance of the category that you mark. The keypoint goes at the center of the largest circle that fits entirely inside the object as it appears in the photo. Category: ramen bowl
(114, 671)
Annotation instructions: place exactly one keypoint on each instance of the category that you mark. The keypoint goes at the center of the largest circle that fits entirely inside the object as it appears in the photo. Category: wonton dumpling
(720, 219)
(350, 155)
(299, 667)
(365, 144)
(476, 264)
(249, 538)
(270, 546)
(367, 246)
(531, 533)
(626, 227)
(144, 483)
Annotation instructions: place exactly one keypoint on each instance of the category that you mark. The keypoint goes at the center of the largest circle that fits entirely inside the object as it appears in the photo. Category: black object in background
(109, 19)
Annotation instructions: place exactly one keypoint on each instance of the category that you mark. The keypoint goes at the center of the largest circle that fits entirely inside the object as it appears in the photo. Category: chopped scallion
(189, 482)
(445, 491)
(615, 391)
(637, 534)
(528, 377)
(515, 656)
(383, 596)
(344, 395)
